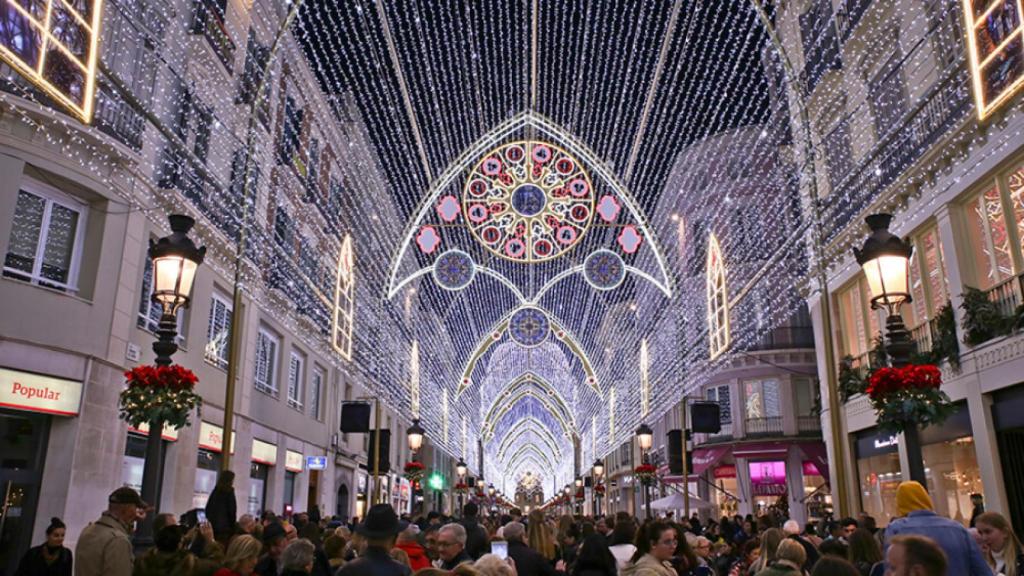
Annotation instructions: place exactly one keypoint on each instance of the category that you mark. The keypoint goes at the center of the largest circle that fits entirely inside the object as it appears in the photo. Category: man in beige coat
(105, 546)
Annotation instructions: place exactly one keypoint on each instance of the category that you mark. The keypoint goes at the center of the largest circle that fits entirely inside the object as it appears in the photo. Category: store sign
(768, 478)
(316, 462)
(995, 44)
(169, 433)
(292, 461)
(885, 442)
(727, 471)
(264, 452)
(211, 437)
(38, 393)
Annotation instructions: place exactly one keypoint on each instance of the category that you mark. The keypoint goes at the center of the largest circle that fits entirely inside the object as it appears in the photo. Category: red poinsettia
(173, 376)
(580, 495)
(414, 470)
(908, 396)
(461, 487)
(645, 472)
(599, 489)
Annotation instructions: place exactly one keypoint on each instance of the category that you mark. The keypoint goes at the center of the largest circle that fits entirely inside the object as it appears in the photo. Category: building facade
(178, 82)
(901, 122)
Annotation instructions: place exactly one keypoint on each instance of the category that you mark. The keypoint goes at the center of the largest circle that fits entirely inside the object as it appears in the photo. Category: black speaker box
(471, 481)
(588, 482)
(675, 451)
(355, 417)
(385, 451)
(706, 417)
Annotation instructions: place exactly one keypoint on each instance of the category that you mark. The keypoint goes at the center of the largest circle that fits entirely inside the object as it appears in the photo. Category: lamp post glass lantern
(885, 259)
(598, 473)
(175, 260)
(645, 438)
(414, 435)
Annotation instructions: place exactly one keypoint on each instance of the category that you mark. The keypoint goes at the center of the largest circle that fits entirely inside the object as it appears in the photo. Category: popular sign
(37, 393)
(292, 461)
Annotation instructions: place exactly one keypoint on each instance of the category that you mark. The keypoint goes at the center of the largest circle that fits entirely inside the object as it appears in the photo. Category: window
(46, 240)
(718, 300)
(288, 146)
(313, 167)
(344, 300)
(858, 324)
(256, 56)
(762, 398)
(284, 230)
(927, 277)
(267, 345)
(296, 373)
(722, 396)
(150, 312)
(887, 92)
(218, 331)
(335, 195)
(989, 238)
(316, 394)
(837, 154)
(806, 391)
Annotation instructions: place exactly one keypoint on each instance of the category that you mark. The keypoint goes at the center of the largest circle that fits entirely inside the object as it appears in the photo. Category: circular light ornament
(454, 270)
(604, 270)
(529, 327)
(528, 201)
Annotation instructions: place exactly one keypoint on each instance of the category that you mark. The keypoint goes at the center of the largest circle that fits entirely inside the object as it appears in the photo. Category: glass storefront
(878, 473)
(951, 465)
(289, 490)
(134, 461)
(258, 474)
(23, 438)
(726, 490)
(207, 465)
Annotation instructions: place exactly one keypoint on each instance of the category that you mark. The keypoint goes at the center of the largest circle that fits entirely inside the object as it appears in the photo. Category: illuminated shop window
(718, 300)
(344, 300)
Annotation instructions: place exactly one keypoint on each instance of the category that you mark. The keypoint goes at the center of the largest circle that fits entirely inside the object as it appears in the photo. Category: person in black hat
(105, 547)
(275, 540)
(380, 528)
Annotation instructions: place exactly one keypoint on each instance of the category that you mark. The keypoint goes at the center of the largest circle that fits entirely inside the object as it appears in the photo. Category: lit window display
(725, 490)
(990, 245)
(878, 473)
(951, 466)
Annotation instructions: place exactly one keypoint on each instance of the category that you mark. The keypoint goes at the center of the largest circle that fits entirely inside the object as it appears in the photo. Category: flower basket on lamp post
(159, 394)
(645, 473)
(908, 397)
(414, 470)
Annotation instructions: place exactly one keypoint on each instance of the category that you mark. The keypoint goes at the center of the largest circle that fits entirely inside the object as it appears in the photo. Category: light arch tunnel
(533, 415)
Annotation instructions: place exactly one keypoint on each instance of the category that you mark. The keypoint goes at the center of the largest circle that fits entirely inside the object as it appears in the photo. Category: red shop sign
(726, 471)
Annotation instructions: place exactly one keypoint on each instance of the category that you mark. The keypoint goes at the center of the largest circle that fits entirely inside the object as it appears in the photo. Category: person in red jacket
(408, 542)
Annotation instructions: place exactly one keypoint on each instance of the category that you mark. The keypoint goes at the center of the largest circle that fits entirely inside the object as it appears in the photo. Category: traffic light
(436, 481)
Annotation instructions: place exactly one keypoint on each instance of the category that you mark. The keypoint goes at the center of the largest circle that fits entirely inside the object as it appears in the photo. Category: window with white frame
(344, 300)
(267, 347)
(218, 331)
(47, 236)
(296, 373)
(316, 394)
(718, 299)
(149, 311)
(762, 398)
(721, 396)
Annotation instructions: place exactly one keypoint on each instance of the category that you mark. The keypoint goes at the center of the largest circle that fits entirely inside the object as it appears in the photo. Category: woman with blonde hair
(770, 541)
(491, 565)
(241, 557)
(539, 536)
(1005, 555)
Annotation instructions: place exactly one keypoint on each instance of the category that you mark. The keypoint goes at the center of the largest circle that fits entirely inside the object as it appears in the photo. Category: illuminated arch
(717, 299)
(344, 300)
(530, 450)
(526, 386)
(498, 135)
(525, 426)
(495, 335)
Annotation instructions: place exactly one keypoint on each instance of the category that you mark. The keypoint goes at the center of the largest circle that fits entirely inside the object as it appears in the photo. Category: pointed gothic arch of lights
(529, 425)
(528, 385)
(514, 462)
(558, 330)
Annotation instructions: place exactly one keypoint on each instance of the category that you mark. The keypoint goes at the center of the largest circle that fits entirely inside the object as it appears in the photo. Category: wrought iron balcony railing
(768, 426)
(810, 424)
(208, 20)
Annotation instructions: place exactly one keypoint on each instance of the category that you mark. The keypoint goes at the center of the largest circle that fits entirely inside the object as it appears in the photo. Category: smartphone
(500, 549)
(201, 516)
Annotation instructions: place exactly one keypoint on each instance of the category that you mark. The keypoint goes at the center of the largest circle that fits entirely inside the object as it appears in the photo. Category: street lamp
(490, 490)
(885, 259)
(460, 468)
(175, 261)
(414, 435)
(645, 438)
(598, 468)
(598, 473)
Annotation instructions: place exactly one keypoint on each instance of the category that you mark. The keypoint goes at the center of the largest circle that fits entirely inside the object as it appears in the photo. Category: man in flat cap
(105, 546)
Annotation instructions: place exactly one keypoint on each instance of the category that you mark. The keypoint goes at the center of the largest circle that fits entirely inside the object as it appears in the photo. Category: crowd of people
(917, 543)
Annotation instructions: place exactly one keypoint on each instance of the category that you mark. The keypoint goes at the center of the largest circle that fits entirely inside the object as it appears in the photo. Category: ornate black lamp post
(460, 470)
(645, 438)
(175, 261)
(885, 259)
(598, 473)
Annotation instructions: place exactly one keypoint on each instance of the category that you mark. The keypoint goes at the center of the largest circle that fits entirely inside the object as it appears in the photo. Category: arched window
(718, 299)
(344, 300)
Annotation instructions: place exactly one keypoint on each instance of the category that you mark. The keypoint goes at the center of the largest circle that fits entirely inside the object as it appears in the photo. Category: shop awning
(762, 450)
(817, 453)
(703, 459)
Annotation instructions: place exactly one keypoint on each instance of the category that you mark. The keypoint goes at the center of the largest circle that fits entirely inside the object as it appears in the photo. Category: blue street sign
(316, 462)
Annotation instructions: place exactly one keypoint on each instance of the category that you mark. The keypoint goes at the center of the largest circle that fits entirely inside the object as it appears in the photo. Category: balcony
(923, 336)
(1007, 295)
(849, 15)
(935, 114)
(208, 20)
(768, 426)
(808, 425)
(115, 118)
(786, 337)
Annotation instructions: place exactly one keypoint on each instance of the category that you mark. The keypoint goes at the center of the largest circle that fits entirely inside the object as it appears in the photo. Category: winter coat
(648, 565)
(177, 563)
(104, 548)
(622, 554)
(779, 569)
(476, 538)
(529, 561)
(222, 511)
(33, 563)
(417, 555)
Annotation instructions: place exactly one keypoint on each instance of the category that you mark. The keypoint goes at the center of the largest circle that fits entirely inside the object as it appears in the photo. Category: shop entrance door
(22, 441)
(1011, 450)
(311, 495)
